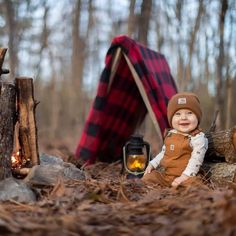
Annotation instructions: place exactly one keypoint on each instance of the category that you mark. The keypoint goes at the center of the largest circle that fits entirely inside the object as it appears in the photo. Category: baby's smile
(184, 124)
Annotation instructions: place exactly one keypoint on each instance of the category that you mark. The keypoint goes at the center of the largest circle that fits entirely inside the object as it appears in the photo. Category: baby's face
(184, 120)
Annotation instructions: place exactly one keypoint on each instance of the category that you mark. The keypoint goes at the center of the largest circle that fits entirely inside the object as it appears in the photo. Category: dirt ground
(106, 203)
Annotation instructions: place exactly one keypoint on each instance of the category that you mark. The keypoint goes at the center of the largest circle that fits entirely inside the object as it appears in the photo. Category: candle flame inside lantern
(136, 162)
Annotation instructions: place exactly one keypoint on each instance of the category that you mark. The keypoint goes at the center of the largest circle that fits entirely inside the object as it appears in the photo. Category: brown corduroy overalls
(175, 160)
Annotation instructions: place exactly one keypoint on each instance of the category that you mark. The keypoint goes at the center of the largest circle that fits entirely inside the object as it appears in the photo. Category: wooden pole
(7, 122)
(27, 123)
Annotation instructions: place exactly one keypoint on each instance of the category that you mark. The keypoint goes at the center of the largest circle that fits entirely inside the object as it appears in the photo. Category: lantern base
(132, 176)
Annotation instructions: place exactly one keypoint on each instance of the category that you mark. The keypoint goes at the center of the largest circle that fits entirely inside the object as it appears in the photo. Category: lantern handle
(125, 147)
(148, 149)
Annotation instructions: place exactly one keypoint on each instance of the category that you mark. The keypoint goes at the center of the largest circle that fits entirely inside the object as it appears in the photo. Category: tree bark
(27, 123)
(7, 121)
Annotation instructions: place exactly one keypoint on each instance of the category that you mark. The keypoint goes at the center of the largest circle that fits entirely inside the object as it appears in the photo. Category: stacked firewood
(17, 106)
(220, 160)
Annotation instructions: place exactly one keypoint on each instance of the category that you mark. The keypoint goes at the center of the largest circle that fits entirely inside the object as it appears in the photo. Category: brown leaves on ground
(108, 204)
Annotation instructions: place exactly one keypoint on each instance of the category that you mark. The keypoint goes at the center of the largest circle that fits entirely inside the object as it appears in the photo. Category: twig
(213, 124)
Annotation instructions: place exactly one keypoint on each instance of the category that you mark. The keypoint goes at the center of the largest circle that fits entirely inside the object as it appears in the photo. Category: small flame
(136, 162)
(16, 160)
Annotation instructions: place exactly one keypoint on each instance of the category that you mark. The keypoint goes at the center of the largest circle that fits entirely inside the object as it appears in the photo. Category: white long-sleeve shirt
(199, 144)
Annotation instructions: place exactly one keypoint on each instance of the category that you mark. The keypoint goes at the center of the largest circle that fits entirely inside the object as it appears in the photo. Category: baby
(184, 145)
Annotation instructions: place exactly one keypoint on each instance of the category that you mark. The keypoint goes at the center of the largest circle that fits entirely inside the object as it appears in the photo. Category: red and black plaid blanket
(116, 114)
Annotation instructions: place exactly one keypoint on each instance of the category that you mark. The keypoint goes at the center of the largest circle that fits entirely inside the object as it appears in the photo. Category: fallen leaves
(108, 204)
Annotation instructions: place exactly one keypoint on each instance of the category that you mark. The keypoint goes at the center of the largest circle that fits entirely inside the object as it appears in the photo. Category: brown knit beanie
(184, 100)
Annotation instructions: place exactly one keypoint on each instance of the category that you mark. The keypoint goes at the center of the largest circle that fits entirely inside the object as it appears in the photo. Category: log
(20, 172)
(7, 122)
(220, 160)
(220, 172)
(222, 145)
(26, 106)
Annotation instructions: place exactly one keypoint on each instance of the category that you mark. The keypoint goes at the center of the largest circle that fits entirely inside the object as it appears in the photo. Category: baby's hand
(177, 181)
(148, 169)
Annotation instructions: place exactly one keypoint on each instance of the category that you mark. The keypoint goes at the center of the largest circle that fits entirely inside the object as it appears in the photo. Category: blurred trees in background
(62, 45)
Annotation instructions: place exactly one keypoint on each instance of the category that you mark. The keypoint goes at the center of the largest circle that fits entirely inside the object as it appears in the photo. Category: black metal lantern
(136, 155)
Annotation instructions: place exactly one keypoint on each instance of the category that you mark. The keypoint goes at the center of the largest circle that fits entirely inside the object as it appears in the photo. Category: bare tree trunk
(131, 19)
(229, 93)
(77, 48)
(89, 28)
(78, 61)
(44, 36)
(53, 91)
(220, 65)
(206, 69)
(90, 18)
(229, 81)
(192, 41)
(159, 31)
(11, 25)
(7, 122)
(180, 63)
(144, 20)
(27, 123)
(54, 118)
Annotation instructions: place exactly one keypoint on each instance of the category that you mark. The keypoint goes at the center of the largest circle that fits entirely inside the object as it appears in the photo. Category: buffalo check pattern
(116, 114)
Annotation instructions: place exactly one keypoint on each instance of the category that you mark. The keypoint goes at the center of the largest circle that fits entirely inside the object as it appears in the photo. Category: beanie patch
(182, 101)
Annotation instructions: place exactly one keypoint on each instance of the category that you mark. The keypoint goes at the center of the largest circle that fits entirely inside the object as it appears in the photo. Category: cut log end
(222, 144)
(220, 171)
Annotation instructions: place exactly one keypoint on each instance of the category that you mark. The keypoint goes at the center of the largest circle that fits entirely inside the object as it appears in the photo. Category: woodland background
(62, 46)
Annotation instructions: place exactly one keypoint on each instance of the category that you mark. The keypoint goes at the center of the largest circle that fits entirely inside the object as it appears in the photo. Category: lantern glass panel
(136, 163)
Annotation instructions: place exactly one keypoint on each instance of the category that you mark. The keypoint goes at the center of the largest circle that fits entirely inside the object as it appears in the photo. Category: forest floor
(107, 203)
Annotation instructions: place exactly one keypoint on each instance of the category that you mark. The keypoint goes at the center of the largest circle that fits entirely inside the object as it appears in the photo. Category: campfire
(16, 160)
(19, 166)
